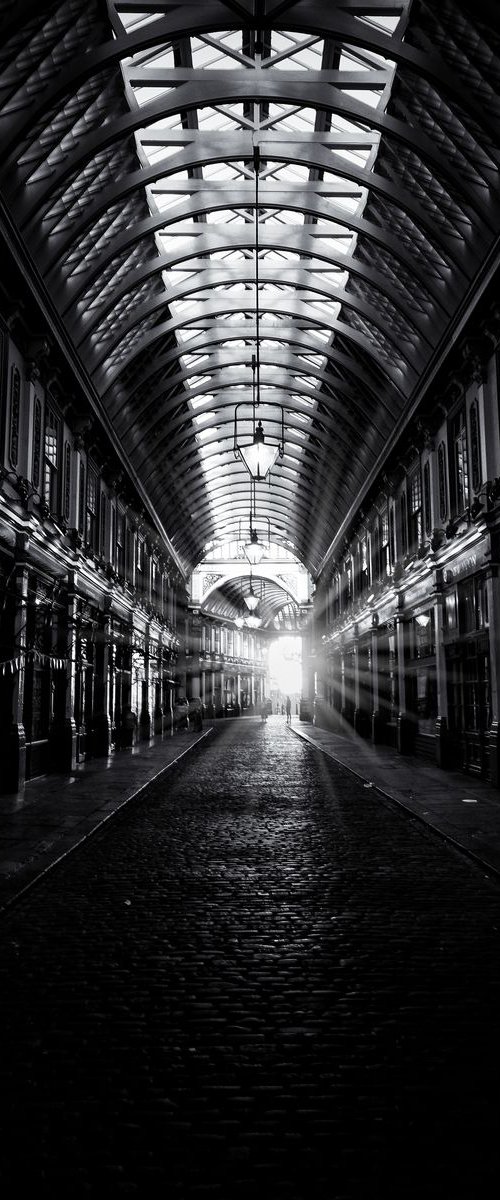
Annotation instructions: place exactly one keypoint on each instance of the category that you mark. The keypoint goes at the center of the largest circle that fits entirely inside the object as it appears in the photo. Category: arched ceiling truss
(185, 180)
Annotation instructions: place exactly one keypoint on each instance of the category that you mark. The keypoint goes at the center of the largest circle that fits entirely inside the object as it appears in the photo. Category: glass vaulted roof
(196, 183)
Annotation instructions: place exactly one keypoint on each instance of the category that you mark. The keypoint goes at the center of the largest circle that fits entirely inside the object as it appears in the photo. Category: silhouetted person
(288, 707)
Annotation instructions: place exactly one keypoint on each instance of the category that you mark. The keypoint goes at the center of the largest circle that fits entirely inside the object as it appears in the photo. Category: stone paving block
(281, 990)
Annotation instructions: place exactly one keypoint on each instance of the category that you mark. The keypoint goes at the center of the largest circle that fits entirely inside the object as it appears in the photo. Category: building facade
(96, 641)
(408, 608)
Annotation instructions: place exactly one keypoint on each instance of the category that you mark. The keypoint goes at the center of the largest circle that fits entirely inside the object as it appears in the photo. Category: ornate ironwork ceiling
(128, 134)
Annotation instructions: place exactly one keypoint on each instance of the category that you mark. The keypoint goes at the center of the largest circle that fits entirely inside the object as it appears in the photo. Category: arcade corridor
(271, 985)
(250, 406)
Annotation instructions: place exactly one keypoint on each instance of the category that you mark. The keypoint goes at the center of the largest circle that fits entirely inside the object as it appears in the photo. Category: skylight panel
(220, 170)
(197, 401)
(293, 172)
(314, 360)
(135, 20)
(321, 335)
(306, 381)
(306, 58)
(208, 55)
(155, 130)
(352, 204)
(145, 95)
(281, 257)
(302, 121)
(213, 118)
(236, 257)
(227, 216)
(331, 277)
(371, 99)
(305, 401)
(155, 154)
(386, 25)
(358, 157)
(202, 417)
(188, 335)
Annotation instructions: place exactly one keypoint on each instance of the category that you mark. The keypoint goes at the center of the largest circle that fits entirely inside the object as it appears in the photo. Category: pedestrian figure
(288, 711)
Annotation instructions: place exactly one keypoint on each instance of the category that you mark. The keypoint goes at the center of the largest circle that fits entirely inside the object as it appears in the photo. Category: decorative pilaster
(377, 719)
(442, 739)
(145, 715)
(406, 723)
(493, 734)
(14, 738)
(101, 732)
(63, 735)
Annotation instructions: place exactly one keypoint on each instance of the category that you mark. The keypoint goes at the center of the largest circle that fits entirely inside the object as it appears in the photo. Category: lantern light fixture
(258, 455)
(251, 600)
(253, 621)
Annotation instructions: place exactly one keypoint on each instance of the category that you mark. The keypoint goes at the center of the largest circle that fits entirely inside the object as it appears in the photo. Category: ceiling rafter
(129, 171)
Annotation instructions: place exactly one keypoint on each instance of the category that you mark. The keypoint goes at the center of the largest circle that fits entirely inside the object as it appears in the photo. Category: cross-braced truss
(129, 134)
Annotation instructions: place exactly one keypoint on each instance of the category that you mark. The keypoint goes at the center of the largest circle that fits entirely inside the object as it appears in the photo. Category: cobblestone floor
(260, 981)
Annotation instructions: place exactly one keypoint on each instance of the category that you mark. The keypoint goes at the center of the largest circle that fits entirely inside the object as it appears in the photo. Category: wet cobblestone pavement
(258, 981)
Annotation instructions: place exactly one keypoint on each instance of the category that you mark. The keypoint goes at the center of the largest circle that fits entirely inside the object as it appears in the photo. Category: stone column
(493, 735)
(442, 745)
(14, 738)
(144, 714)
(406, 725)
(342, 683)
(167, 694)
(101, 733)
(63, 736)
(377, 720)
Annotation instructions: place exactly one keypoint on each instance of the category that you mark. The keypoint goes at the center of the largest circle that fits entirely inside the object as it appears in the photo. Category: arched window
(443, 490)
(475, 447)
(427, 498)
(15, 410)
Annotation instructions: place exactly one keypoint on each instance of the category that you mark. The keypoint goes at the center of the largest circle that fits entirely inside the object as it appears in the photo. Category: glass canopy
(128, 136)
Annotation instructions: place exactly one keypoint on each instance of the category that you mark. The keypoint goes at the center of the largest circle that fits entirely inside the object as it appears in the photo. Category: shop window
(51, 460)
(426, 698)
(156, 576)
(427, 498)
(15, 413)
(37, 442)
(424, 640)
(459, 482)
(475, 447)
(102, 510)
(119, 542)
(347, 583)
(472, 606)
(403, 525)
(451, 612)
(383, 558)
(363, 574)
(482, 617)
(81, 499)
(67, 481)
(336, 606)
(442, 482)
(130, 554)
(477, 706)
(392, 535)
(91, 509)
(415, 510)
